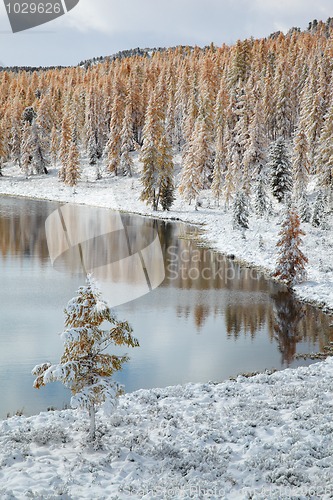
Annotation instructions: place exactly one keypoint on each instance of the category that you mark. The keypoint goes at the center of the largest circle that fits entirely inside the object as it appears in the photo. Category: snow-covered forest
(251, 118)
(237, 139)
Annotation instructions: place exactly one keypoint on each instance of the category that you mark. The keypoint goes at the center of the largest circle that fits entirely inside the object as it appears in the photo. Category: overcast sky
(103, 27)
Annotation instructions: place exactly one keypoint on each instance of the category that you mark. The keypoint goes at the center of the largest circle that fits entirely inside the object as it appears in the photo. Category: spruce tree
(261, 202)
(241, 210)
(26, 149)
(39, 149)
(304, 208)
(86, 367)
(318, 216)
(92, 146)
(291, 261)
(281, 181)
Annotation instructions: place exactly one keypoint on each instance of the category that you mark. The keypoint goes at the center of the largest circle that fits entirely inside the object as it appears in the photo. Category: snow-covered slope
(270, 436)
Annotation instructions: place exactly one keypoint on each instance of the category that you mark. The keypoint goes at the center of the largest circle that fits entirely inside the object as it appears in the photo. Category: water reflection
(251, 302)
(294, 322)
(22, 230)
(209, 319)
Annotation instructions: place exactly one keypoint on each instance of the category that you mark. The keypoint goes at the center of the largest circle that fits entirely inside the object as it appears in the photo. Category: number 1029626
(34, 8)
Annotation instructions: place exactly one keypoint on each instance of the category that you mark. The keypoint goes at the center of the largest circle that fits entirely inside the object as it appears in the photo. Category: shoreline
(269, 434)
(214, 223)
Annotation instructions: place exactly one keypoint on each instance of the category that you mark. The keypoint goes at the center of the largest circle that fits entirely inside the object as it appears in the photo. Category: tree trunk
(92, 430)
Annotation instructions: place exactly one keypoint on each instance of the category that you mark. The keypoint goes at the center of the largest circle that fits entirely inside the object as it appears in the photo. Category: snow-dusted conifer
(231, 176)
(33, 152)
(167, 196)
(2, 150)
(44, 121)
(261, 202)
(255, 156)
(170, 122)
(150, 152)
(92, 146)
(304, 208)
(324, 158)
(318, 216)
(197, 161)
(15, 132)
(54, 147)
(65, 142)
(300, 162)
(190, 183)
(26, 149)
(219, 165)
(241, 62)
(165, 174)
(241, 210)
(291, 261)
(85, 366)
(72, 166)
(14, 145)
(283, 111)
(281, 181)
(39, 149)
(239, 140)
(127, 142)
(112, 149)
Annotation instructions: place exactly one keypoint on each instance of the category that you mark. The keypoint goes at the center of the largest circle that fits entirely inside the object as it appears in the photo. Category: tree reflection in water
(246, 301)
(289, 326)
(295, 322)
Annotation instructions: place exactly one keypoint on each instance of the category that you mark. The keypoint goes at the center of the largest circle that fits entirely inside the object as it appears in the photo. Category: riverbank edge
(205, 239)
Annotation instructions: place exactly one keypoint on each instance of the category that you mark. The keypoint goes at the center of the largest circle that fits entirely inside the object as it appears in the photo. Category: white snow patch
(270, 436)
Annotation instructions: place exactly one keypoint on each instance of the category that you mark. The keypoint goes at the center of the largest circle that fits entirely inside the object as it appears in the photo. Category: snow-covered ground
(266, 437)
(270, 436)
(123, 193)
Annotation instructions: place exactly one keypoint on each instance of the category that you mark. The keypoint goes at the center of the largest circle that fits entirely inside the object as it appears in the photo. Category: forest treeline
(249, 118)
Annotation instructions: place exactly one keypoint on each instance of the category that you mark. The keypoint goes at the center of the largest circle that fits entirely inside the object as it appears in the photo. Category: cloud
(294, 7)
(198, 20)
(96, 27)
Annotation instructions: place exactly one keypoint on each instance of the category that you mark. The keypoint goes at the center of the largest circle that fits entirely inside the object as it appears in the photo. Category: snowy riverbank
(269, 436)
(258, 249)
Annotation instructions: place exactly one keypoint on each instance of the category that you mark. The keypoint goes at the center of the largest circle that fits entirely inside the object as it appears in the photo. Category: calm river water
(208, 320)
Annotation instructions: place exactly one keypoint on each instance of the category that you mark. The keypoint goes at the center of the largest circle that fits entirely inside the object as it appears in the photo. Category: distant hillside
(313, 27)
(230, 111)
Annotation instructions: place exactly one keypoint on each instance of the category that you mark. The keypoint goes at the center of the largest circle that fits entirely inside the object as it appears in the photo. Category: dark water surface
(208, 320)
